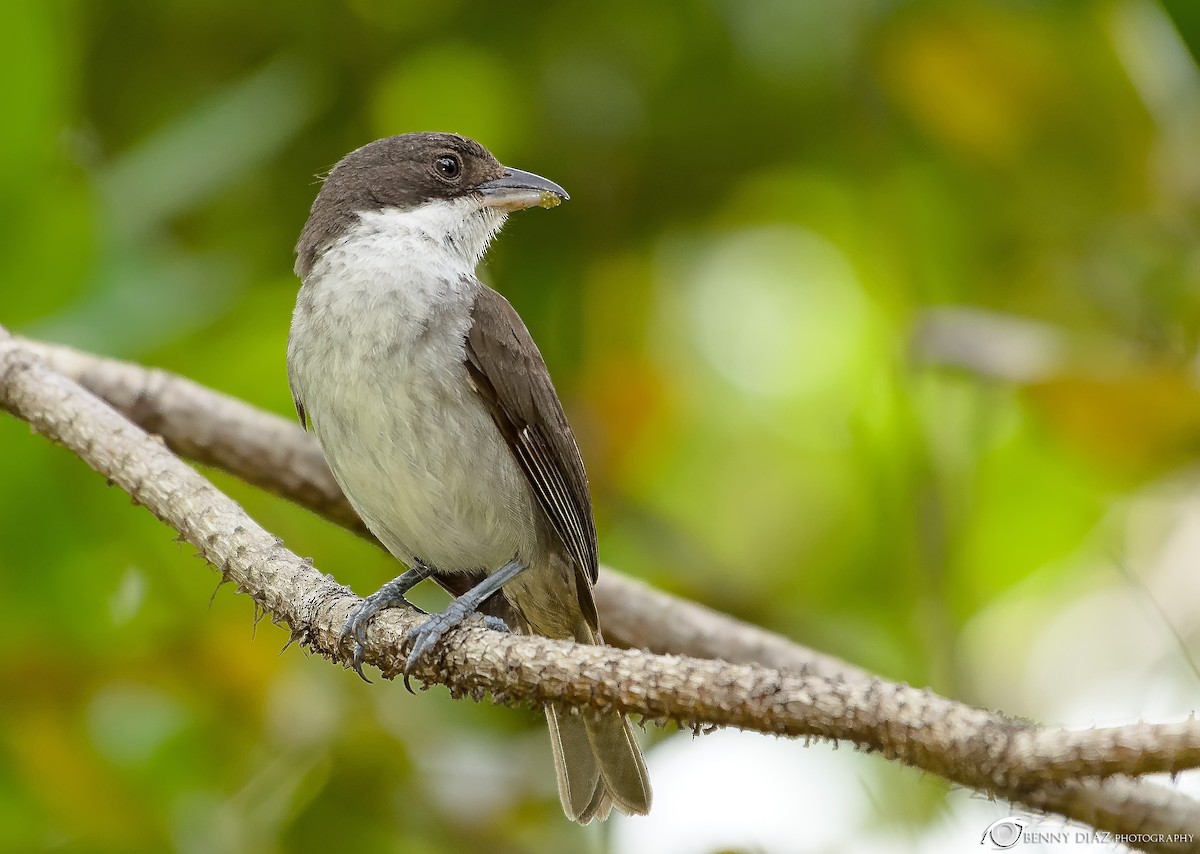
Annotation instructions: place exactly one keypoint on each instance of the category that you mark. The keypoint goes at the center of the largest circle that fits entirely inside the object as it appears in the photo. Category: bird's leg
(425, 636)
(390, 595)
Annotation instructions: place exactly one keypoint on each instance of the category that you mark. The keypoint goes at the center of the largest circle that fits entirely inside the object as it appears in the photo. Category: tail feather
(574, 764)
(597, 760)
(621, 764)
(598, 764)
(599, 807)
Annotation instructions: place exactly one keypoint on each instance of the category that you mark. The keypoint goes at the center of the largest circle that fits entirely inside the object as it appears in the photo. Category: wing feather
(511, 377)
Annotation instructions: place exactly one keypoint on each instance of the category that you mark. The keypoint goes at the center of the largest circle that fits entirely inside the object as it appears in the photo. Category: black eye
(447, 166)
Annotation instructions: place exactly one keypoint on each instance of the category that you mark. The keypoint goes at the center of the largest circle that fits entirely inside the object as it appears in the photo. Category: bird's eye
(447, 166)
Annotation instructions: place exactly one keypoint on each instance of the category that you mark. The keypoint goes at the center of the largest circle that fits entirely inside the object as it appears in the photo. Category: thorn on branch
(221, 582)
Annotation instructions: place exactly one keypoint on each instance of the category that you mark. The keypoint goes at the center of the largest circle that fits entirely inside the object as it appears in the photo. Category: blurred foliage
(765, 198)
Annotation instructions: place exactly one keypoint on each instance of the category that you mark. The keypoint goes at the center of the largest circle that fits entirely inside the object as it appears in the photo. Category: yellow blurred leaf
(977, 84)
(1137, 421)
(67, 777)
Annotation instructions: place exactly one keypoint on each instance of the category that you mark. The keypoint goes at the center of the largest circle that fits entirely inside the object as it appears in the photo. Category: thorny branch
(1068, 772)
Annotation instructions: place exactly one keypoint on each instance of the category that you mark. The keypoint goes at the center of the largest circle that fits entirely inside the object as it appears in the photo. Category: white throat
(455, 230)
(412, 262)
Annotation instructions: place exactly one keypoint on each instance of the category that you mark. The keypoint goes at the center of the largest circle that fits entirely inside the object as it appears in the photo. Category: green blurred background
(877, 322)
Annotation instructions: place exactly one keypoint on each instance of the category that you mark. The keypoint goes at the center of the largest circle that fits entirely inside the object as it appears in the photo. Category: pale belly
(411, 444)
(429, 474)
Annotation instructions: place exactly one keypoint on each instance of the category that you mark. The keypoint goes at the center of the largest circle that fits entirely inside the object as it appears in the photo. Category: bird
(439, 420)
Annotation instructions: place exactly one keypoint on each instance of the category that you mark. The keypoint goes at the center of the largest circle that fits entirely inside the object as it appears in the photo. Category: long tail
(596, 757)
(599, 765)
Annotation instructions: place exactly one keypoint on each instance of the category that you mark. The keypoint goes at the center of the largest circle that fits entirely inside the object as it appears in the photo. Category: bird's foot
(426, 636)
(390, 595)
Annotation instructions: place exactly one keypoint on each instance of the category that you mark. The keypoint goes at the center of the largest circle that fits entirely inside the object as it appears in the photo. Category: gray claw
(359, 620)
(495, 624)
(427, 635)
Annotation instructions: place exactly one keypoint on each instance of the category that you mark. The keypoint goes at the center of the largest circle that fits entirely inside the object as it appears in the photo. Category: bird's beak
(516, 190)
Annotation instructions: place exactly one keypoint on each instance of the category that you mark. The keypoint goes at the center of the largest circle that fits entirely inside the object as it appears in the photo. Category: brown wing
(512, 379)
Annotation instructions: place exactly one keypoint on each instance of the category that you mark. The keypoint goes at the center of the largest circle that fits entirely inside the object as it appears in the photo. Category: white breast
(376, 356)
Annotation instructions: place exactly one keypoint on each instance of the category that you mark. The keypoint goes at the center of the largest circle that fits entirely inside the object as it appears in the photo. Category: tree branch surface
(790, 691)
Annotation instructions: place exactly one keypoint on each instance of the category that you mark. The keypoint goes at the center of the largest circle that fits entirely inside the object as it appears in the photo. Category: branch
(275, 454)
(995, 755)
(990, 344)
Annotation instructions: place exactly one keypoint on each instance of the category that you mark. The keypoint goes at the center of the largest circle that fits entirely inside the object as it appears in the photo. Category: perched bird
(440, 422)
